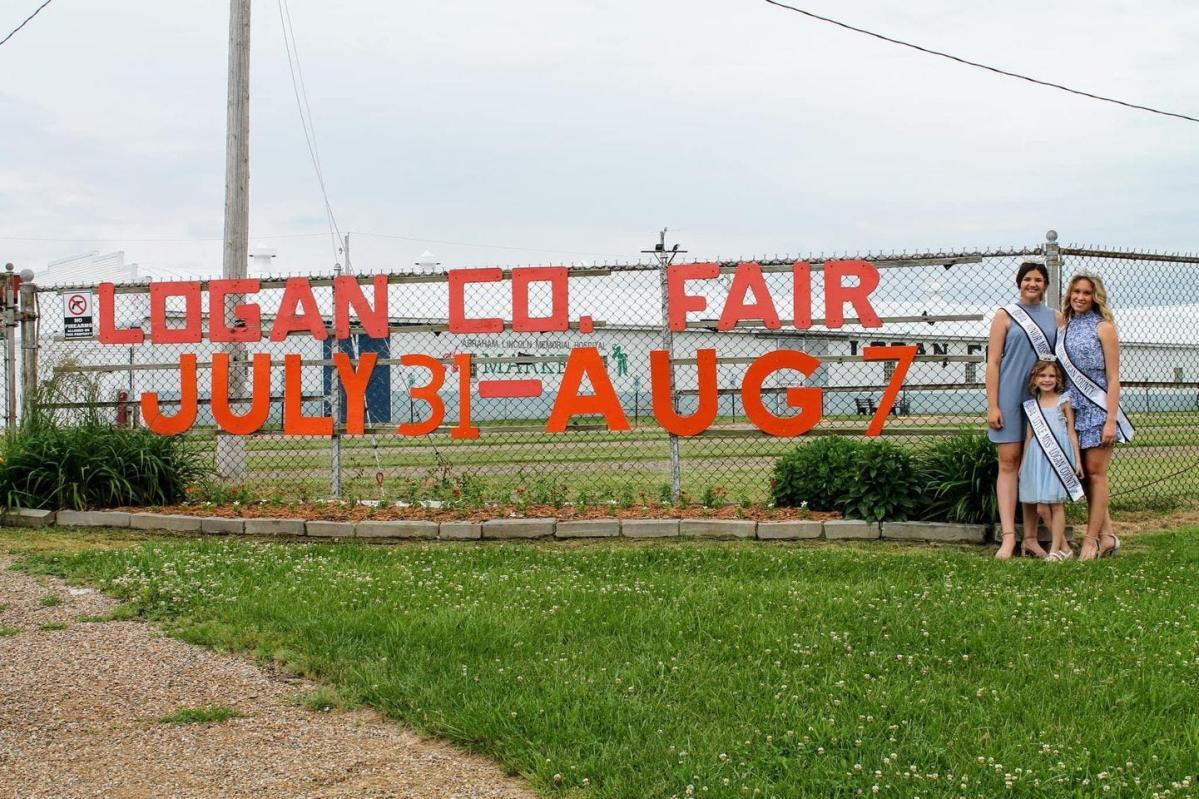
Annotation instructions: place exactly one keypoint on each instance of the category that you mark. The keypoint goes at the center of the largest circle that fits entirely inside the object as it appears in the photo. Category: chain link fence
(941, 303)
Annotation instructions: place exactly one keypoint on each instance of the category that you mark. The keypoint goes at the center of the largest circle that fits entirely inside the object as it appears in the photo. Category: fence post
(9, 305)
(664, 260)
(335, 411)
(1053, 263)
(29, 343)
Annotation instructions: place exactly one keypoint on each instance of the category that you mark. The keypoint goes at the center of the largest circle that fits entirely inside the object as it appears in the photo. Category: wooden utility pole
(237, 144)
(231, 450)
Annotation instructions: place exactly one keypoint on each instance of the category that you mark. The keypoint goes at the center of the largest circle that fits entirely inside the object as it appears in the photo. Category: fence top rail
(882, 260)
(1129, 255)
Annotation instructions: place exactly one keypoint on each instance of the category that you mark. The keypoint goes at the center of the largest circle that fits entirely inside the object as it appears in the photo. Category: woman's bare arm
(999, 326)
(1111, 361)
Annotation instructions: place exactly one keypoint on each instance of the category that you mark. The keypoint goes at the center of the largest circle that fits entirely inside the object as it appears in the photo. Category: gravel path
(79, 710)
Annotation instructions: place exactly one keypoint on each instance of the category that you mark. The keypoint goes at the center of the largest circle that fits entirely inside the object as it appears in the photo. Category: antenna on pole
(231, 450)
(665, 258)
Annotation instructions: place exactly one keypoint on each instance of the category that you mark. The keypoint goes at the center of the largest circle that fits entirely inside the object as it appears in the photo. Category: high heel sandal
(999, 552)
(1090, 548)
(1113, 550)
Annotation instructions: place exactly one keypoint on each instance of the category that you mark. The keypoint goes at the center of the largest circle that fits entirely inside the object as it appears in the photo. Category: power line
(204, 239)
(150, 241)
(969, 63)
(289, 43)
(22, 25)
(482, 246)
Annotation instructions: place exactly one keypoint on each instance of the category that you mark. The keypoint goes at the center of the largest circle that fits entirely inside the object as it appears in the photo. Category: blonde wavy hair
(1099, 296)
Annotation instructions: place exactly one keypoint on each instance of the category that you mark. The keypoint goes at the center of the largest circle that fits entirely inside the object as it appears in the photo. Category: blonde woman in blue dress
(1088, 339)
(1039, 482)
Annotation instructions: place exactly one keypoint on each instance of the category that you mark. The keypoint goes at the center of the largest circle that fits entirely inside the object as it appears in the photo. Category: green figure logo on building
(622, 361)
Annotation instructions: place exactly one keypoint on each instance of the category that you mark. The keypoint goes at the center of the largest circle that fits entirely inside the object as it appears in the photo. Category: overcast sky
(572, 130)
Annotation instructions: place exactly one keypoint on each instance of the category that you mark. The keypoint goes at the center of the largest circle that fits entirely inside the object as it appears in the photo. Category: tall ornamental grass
(958, 476)
(83, 461)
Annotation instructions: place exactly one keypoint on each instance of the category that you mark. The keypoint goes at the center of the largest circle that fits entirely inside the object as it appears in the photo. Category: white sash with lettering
(1036, 336)
(1052, 449)
(1091, 390)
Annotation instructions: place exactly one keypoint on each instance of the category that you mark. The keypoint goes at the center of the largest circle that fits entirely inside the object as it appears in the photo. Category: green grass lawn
(719, 669)
(1161, 461)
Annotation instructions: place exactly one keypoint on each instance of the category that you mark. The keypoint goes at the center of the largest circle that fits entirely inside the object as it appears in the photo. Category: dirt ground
(80, 709)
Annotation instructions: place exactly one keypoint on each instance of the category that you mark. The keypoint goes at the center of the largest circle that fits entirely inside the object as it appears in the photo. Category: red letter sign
(347, 293)
(905, 355)
(458, 280)
(663, 388)
(427, 392)
(809, 399)
(557, 321)
(586, 362)
(109, 333)
(680, 302)
(260, 408)
(297, 295)
(186, 417)
(247, 313)
(836, 293)
(192, 330)
(749, 278)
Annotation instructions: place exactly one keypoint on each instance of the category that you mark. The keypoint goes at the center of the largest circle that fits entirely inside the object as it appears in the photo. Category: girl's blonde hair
(1040, 366)
(1099, 296)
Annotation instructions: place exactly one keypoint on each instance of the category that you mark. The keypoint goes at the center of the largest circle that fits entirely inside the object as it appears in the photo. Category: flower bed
(344, 511)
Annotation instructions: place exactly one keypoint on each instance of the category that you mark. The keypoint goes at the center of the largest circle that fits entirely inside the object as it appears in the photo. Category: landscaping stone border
(785, 530)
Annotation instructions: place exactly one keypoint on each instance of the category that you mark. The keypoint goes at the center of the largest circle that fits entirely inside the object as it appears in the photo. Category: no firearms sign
(78, 314)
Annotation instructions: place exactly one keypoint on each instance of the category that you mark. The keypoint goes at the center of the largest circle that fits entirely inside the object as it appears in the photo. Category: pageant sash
(1036, 336)
(1091, 390)
(1052, 449)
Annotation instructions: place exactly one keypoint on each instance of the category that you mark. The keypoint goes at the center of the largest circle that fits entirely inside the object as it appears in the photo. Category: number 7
(904, 356)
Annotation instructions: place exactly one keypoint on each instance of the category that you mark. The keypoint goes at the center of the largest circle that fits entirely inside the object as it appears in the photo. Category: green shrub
(883, 485)
(49, 464)
(818, 473)
(958, 479)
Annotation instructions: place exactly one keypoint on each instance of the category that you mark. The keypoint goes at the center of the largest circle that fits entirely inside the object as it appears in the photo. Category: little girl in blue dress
(1039, 482)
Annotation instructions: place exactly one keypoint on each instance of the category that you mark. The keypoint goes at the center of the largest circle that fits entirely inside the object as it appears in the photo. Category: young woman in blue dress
(1010, 357)
(1092, 346)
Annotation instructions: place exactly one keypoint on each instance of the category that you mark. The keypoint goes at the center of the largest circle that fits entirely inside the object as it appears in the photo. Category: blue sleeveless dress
(1038, 481)
(1086, 352)
(1014, 366)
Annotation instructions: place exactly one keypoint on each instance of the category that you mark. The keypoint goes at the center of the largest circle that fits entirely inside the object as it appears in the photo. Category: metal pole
(10, 348)
(335, 393)
(29, 344)
(664, 260)
(132, 406)
(1053, 265)
(231, 450)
